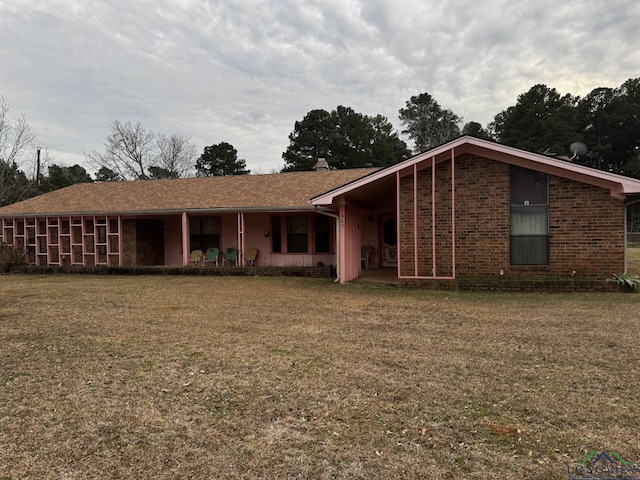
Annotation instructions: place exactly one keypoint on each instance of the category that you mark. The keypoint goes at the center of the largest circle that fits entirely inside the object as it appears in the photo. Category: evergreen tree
(220, 159)
(610, 121)
(427, 124)
(347, 139)
(542, 121)
(60, 177)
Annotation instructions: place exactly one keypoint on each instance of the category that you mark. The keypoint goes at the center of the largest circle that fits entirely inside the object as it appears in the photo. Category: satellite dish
(577, 149)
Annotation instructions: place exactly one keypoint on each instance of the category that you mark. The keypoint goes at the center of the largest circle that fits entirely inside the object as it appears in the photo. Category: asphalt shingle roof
(274, 191)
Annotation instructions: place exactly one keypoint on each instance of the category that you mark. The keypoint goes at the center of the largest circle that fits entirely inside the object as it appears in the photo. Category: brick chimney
(321, 165)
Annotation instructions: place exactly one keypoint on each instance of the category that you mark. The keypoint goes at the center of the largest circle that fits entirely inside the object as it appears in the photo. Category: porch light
(266, 233)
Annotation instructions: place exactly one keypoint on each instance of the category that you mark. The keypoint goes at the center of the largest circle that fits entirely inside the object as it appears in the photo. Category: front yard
(235, 377)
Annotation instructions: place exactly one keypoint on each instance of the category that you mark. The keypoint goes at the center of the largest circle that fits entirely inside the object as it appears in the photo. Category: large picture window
(301, 233)
(529, 217)
(204, 232)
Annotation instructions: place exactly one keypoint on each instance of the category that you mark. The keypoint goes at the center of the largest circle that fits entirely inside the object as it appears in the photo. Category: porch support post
(342, 246)
(398, 222)
(626, 236)
(240, 257)
(120, 245)
(433, 217)
(453, 213)
(415, 219)
(185, 239)
(84, 244)
(339, 251)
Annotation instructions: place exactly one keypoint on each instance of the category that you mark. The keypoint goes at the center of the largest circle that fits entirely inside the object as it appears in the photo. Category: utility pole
(38, 171)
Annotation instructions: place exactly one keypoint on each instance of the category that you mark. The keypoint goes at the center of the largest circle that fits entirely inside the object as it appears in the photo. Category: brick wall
(150, 242)
(142, 242)
(482, 216)
(587, 229)
(586, 224)
(443, 239)
(128, 242)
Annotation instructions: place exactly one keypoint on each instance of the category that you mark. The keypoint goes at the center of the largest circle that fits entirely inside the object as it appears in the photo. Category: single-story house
(469, 208)
(160, 222)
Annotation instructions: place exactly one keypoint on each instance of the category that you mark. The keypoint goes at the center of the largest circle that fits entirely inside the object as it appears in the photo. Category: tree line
(542, 120)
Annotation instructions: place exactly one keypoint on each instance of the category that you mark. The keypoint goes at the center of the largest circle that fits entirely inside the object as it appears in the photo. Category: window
(304, 233)
(529, 217)
(297, 240)
(322, 226)
(204, 232)
(31, 241)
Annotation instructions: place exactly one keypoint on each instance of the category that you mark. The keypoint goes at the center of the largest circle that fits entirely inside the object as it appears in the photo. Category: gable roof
(619, 185)
(279, 191)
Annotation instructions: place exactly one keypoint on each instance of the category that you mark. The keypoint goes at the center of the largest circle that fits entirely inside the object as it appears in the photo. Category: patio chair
(212, 255)
(196, 257)
(250, 256)
(231, 255)
(365, 253)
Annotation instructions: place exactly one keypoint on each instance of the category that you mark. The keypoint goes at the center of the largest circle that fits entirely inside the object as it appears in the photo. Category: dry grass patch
(190, 377)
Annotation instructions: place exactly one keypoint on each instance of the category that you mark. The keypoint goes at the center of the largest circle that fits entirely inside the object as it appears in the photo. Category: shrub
(10, 255)
(625, 280)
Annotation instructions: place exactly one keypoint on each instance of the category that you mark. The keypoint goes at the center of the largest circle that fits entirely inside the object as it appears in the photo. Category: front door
(389, 241)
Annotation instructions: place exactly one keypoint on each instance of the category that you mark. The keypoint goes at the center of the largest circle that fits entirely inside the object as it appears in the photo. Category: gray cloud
(244, 73)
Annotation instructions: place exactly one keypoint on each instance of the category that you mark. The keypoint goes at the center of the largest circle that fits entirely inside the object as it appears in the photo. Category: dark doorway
(149, 242)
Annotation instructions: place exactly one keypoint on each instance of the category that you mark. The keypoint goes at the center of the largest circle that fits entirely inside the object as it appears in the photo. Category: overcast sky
(244, 71)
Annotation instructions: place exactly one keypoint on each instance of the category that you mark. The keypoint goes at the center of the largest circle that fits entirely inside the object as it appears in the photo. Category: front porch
(287, 240)
(300, 238)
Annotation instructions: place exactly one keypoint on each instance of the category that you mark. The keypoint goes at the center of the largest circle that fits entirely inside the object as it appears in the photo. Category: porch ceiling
(380, 195)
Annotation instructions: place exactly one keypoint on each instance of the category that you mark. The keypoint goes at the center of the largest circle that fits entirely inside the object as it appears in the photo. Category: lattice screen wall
(66, 241)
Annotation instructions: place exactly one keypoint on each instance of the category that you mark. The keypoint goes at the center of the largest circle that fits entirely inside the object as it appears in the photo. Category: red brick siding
(150, 242)
(142, 242)
(128, 236)
(482, 216)
(443, 237)
(586, 224)
(406, 240)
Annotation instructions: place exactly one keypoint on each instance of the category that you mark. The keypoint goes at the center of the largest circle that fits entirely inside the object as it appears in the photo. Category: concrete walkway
(379, 275)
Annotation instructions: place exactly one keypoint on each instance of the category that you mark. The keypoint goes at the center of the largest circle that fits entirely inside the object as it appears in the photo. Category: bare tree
(135, 153)
(128, 151)
(176, 155)
(16, 139)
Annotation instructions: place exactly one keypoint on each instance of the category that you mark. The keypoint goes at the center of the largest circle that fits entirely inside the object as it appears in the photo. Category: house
(159, 222)
(477, 209)
(468, 209)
